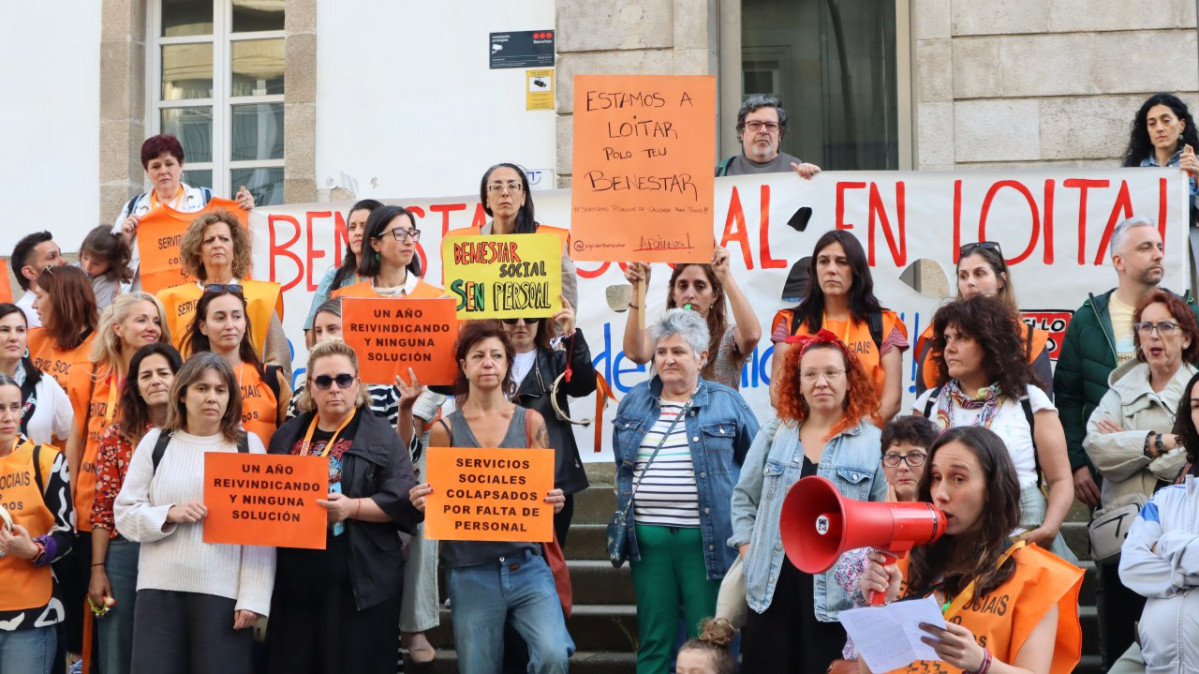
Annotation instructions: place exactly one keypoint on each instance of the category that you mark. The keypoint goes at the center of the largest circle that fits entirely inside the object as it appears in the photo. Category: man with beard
(761, 124)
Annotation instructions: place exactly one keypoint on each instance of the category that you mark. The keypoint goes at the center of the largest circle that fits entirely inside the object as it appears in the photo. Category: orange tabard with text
(392, 335)
(1003, 620)
(25, 585)
(365, 289)
(59, 364)
(263, 298)
(489, 494)
(929, 371)
(159, 234)
(265, 499)
(101, 410)
(259, 407)
(856, 335)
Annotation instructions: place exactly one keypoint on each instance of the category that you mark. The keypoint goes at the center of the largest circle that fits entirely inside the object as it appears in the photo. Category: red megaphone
(818, 525)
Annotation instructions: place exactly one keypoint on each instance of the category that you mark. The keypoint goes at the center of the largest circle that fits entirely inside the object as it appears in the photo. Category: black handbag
(621, 523)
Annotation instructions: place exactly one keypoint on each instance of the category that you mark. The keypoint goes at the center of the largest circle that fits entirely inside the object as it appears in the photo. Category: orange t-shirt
(159, 233)
(59, 364)
(855, 335)
(259, 407)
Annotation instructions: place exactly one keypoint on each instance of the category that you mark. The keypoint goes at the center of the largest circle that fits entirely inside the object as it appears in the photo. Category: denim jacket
(720, 427)
(851, 460)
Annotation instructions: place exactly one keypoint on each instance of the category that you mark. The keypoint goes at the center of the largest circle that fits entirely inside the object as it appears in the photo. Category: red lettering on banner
(839, 209)
(312, 253)
(768, 262)
(1082, 185)
(734, 227)
(1163, 203)
(1048, 210)
(957, 221)
(341, 238)
(445, 210)
(1032, 207)
(417, 212)
(282, 249)
(592, 273)
(480, 218)
(1121, 210)
(898, 253)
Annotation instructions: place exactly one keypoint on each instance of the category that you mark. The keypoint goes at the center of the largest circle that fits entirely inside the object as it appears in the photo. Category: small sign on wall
(539, 89)
(522, 49)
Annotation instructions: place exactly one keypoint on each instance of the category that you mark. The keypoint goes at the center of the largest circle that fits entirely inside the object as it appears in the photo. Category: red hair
(860, 399)
(156, 145)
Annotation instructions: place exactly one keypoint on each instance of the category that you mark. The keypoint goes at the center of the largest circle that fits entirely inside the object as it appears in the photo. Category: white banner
(1054, 228)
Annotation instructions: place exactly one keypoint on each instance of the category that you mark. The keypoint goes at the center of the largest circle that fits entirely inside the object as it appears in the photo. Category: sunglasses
(324, 382)
(528, 321)
(224, 287)
(968, 249)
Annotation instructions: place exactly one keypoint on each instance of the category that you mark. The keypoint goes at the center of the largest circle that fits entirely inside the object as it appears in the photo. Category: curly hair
(1140, 146)
(715, 637)
(193, 242)
(861, 401)
(1180, 312)
(953, 561)
(717, 318)
(1184, 425)
(998, 330)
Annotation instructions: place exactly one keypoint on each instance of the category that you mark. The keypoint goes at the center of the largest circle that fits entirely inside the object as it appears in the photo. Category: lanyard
(175, 203)
(959, 602)
(312, 429)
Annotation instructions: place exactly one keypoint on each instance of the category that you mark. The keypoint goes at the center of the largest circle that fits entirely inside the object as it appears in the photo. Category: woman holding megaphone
(1009, 606)
(826, 407)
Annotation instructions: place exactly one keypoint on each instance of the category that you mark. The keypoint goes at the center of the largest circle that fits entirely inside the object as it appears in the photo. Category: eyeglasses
(400, 233)
(968, 249)
(829, 375)
(528, 321)
(223, 287)
(343, 380)
(913, 459)
(1164, 328)
(756, 126)
(498, 188)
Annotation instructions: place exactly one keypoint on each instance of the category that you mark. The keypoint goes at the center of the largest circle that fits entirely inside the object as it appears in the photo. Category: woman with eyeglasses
(981, 270)
(826, 426)
(65, 304)
(345, 274)
(391, 265)
(504, 193)
(338, 609)
(702, 288)
(1131, 438)
(842, 301)
(989, 383)
(222, 325)
(544, 377)
(216, 252)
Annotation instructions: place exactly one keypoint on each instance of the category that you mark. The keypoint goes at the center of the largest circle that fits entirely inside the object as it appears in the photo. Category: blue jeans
(517, 589)
(114, 632)
(29, 651)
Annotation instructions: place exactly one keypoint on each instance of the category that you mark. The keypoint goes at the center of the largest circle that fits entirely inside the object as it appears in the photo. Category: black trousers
(787, 637)
(188, 632)
(1119, 610)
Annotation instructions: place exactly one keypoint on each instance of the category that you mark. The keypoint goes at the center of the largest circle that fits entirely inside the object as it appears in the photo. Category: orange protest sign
(642, 177)
(159, 234)
(5, 283)
(489, 494)
(265, 499)
(392, 335)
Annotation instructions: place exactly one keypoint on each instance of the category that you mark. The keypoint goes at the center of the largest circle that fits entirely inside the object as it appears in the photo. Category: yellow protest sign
(489, 494)
(504, 276)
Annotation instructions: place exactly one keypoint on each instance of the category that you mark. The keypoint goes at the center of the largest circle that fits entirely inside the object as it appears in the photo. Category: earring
(377, 258)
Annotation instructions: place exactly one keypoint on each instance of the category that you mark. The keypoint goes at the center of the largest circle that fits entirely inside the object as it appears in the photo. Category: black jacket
(376, 465)
(534, 393)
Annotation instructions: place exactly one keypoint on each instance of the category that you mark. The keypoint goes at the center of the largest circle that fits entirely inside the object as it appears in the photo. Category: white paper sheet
(888, 637)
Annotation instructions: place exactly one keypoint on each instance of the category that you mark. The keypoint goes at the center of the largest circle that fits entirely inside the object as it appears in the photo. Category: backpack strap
(206, 194)
(132, 202)
(876, 329)
(160, 448)
(37, 469)
(271, 377)
(722, 169)
(1026, 405)
(243, 443)
(932, 400)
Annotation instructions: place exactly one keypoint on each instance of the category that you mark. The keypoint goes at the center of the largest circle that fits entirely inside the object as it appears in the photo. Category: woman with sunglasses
(842, 301)
(65, 304)
(989, 383)
(338, 609)
(222, 325)
(981, 270)
(702, 288)
(216, 252)
(347, 273)
(1131, 439)
(543, 384)
(392, 265)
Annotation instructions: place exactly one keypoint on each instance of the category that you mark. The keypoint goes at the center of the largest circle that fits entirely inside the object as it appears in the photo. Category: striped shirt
(666, 490)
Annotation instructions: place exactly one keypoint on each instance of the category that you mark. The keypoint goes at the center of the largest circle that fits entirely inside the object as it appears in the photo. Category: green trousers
(671, 574)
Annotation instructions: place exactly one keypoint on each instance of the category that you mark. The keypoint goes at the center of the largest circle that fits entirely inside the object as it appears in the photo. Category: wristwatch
(1158, 445)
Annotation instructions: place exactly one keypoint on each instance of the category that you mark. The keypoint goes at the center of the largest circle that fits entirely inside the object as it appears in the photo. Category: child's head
(709, 653)
(105, 254)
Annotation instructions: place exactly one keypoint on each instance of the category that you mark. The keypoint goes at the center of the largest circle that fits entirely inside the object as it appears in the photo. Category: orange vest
(928, 365)
(1003, 620)
(259, 407)
(25, 586)
(159, 233)
(262, 299)
(422, 291)
(101, 411)
(59, 364)
(856, 336)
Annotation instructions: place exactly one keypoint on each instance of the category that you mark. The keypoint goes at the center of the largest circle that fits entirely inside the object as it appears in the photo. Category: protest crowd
(117, 386)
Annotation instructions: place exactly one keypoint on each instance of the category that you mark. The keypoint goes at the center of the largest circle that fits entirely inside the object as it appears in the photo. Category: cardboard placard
(392, 335)
(159, 234)
(489, 494)
(265, 499)
(643, 177)
(504, 276)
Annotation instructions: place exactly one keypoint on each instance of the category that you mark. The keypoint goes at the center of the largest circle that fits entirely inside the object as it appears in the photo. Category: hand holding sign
(504, 276)
(187, 513)
(1188, 162)
(565, 319)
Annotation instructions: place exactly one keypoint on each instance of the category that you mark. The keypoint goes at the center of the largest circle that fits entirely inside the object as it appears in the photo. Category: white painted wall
(49, 112)
(406, 101)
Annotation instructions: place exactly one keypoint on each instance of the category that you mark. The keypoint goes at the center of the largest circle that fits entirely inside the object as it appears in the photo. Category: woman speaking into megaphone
(1009, 606)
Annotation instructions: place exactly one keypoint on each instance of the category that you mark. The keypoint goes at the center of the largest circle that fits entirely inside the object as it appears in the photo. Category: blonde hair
(193, 242)
(107, 347)
(336, 347)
